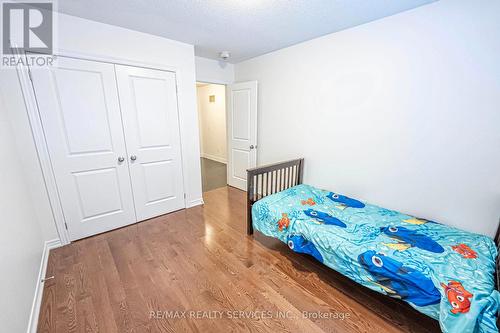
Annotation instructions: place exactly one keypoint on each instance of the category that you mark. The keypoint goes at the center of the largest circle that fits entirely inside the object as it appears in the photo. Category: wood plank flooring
(200, 259)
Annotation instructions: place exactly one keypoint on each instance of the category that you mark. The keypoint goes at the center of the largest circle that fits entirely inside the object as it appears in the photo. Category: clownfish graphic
(465, 251)
(284, 222)
(309, 202)
(457, 296)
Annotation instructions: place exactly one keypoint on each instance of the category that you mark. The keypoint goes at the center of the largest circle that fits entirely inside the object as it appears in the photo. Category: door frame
(44, 161)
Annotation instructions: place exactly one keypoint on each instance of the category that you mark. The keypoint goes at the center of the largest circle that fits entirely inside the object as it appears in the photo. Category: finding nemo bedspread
(443, 272)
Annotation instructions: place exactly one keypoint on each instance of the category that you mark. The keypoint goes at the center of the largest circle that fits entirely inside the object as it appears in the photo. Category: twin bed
(445, 273)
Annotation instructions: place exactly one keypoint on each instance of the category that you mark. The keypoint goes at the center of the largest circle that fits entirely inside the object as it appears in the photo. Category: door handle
(133, 158)
(253, 147)
(121, 159)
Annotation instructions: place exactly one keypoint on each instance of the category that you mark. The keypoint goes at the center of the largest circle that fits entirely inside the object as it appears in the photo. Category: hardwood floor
(200, 259)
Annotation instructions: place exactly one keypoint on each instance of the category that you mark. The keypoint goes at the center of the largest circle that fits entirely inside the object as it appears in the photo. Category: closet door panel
(148, 100)
(80, 113)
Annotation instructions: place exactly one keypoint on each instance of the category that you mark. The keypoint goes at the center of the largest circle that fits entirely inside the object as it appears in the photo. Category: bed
(445, 273)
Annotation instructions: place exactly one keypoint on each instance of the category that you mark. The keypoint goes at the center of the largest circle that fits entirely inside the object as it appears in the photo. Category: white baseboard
(196, 202)
(37, 300)
(214, 158)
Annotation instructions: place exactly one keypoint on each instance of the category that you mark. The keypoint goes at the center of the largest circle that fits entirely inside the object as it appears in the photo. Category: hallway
(213, 174)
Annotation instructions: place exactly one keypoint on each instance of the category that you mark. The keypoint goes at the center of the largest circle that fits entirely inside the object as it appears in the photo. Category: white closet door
(80, 113)
(148, 100)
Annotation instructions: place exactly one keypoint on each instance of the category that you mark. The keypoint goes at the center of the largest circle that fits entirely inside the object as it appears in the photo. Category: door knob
(133, 158)
(252, 147)
(121, 159)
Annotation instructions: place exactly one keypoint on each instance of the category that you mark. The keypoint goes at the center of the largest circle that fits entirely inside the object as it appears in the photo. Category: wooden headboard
(497, 236)
(268, 179)
(497, 242)
(497, 268)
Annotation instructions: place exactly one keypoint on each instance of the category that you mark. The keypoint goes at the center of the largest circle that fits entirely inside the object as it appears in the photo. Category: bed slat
(269, 179)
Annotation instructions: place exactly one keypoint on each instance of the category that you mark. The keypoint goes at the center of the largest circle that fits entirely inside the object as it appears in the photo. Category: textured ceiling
(246, 28)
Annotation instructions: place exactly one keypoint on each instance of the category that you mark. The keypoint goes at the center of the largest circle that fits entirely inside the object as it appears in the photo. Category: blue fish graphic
(324, 217)
(301, 245)
(399, 281)
(413, 238)
(349, 202)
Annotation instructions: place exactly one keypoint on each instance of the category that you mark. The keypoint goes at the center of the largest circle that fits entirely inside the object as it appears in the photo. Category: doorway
(211, 100)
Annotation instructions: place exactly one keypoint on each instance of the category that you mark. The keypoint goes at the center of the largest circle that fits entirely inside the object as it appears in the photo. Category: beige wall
(212, 119)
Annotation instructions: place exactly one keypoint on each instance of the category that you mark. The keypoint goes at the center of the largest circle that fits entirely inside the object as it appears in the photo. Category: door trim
(42, 151)
(32, 110)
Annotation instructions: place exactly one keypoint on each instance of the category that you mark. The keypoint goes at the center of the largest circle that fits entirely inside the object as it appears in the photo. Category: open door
(242, 132)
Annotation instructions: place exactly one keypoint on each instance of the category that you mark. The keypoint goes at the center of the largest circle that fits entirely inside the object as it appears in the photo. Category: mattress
(443, 272)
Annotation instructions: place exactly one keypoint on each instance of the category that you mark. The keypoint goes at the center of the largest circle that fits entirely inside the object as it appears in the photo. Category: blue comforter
(441, 271)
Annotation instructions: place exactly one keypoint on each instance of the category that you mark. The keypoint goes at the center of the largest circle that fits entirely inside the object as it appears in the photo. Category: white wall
(27, 153)
(212, 120)
(402, 112)
(214, 71)
(21, 236)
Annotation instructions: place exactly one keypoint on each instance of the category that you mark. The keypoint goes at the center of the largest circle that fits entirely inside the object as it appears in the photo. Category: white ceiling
(246, 28)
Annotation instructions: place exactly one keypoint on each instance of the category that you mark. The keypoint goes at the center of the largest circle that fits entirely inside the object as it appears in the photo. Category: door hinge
(66, 225)
(184, 195)
(29, 74)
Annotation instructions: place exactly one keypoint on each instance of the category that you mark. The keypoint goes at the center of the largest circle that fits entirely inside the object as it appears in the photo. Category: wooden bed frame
(273, 178)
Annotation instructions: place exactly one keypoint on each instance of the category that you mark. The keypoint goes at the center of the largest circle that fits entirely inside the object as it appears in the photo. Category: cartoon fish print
(465, 251)
(413, 238)
(416, 221)
(341, 207)
(309, 202)
(419, 221)
(284, 222)
(324, 218)
(399, 281)
(397, 246)
(457, 296)
(346, 201)
(301, 245)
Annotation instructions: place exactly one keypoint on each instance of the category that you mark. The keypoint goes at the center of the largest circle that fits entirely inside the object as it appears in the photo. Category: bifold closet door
(148, 100)
(80, 113)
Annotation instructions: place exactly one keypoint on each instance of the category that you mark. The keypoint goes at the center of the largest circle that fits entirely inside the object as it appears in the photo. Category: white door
(148, 101)
(242, 132)
(80, 113)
